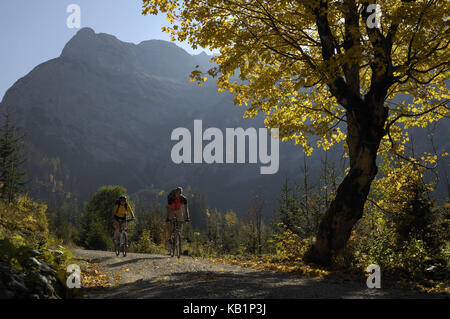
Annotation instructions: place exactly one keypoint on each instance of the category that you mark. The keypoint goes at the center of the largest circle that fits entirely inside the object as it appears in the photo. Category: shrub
(24, 221)
(289, 245)
(146, 245)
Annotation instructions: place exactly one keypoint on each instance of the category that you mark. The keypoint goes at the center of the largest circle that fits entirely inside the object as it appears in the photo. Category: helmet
(179, 189)
(122, 197)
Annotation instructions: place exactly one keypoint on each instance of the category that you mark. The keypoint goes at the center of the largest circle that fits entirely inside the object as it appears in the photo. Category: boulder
(18, 286)
(47, 269)
(33, 262)
(36, 252)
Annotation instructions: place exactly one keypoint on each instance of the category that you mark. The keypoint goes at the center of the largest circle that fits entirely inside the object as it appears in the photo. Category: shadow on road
(100, 259)
(135, 260)
(258, 284)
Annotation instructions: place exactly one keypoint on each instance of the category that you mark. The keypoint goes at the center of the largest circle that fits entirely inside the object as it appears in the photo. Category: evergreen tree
(11, 161)
(288, 208)
(417, 216)
(255, 224)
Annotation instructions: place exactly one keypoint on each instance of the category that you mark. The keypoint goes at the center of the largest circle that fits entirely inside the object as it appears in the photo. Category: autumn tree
(353, 70)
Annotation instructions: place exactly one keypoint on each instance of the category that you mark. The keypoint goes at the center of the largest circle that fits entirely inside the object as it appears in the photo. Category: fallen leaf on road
(92, 277)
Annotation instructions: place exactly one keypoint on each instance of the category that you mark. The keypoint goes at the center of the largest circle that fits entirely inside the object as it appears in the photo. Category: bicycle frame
(176, 224)
(123, 227)
(176, 233)
(123, 224)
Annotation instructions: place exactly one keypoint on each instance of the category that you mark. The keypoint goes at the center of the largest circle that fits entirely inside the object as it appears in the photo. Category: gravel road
(160, 276)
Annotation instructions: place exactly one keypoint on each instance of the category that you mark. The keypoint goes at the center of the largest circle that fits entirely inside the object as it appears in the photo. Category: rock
(33, 262)
(56, 251)
(47, 283)
(42, 266)
(12, 283)
(432, 268)
(47, 269)
(18, 286)
(4, 292)
(36, 280)
(42, 283)
(5, 271)
(36, 252)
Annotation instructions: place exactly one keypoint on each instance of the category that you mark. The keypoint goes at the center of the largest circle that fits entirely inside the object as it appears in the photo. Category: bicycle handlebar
(176, 219)
(126, 220)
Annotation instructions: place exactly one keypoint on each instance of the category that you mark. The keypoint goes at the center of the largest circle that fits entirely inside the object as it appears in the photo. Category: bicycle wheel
(124, 244)
(172, 246)
(178, 244)
(117, 245)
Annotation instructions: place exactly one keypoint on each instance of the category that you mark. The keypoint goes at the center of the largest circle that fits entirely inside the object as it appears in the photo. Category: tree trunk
(364, 133)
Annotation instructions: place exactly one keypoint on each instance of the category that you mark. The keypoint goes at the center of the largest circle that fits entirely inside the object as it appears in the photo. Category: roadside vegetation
(33, 260)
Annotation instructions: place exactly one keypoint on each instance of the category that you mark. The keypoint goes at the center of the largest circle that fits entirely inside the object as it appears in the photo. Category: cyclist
(121, 208)
(174, 201)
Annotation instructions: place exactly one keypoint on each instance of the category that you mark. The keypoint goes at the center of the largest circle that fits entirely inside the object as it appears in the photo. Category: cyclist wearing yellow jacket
(121, 208)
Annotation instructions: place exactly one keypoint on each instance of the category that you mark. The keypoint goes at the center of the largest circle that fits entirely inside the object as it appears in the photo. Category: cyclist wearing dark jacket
(175, 200)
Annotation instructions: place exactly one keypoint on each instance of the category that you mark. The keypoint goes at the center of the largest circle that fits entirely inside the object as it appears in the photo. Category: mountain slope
(103, 113)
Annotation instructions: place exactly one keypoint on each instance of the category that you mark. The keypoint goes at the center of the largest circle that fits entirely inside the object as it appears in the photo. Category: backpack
(171, 195)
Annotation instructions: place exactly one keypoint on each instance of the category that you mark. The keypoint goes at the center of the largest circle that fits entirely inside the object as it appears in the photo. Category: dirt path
(159, 276)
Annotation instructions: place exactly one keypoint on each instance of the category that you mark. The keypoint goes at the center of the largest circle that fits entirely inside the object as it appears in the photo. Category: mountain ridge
(103, 112)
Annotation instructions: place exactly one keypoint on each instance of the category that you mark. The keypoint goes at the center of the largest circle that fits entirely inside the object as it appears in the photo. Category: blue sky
(34, 31)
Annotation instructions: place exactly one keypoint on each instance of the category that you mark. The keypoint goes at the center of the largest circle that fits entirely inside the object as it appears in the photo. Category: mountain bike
(175, 239)
(121, 244)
